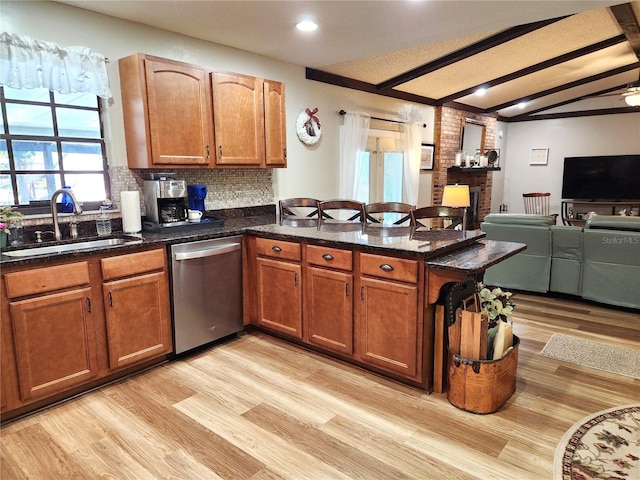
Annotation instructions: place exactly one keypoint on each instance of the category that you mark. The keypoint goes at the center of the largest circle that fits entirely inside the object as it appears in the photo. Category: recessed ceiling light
(522, 104)
(306, 26)
(481, 91)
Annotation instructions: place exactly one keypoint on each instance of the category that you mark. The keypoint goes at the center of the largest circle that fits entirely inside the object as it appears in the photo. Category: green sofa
(600, 262)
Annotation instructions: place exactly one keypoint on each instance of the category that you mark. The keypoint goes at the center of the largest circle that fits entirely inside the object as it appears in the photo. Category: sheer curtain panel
(353, 144)
(412, 144)
(29, 63)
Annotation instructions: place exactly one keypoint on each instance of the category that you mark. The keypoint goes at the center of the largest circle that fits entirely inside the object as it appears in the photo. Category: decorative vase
(3, 239)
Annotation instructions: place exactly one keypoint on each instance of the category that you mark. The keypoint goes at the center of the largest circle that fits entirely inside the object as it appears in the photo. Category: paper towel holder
(130, 211)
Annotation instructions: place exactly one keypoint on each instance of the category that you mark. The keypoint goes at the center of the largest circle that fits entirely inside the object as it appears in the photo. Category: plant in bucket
(9, 217)
(497, 305)
(482, 375)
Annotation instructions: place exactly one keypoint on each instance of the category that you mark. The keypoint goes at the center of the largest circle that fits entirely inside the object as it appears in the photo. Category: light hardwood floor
(259, 408)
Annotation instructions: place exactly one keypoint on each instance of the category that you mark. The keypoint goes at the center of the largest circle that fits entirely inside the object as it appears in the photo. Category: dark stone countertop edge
(477, 257)
(232, 226)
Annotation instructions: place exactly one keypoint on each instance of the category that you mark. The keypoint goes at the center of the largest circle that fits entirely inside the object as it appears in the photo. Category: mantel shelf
(473, 169)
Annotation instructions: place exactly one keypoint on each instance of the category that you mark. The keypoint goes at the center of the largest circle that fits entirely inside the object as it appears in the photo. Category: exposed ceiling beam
(474, 49)
(581, 113)
(346, 82)
(566, 86)
(540, 66)
(628, 22)
(567, 102)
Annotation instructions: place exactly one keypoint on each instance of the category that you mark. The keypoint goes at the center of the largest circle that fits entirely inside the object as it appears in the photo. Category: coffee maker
(165, 199)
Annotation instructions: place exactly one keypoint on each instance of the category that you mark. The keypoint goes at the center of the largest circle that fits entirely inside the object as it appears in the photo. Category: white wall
(568, 137)
(312, 171)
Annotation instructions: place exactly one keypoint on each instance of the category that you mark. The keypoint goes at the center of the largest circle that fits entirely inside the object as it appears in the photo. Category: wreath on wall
(308, 127)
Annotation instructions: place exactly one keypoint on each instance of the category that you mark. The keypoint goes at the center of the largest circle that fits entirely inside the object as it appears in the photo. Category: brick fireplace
(447, 133)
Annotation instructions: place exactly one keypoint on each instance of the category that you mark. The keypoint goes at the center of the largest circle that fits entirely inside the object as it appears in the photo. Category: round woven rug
(603, 445)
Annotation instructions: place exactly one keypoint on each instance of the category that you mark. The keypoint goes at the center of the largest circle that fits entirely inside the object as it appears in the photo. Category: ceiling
(563, 58)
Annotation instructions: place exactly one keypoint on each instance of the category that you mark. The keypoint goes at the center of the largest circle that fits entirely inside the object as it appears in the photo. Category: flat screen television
(607, 177)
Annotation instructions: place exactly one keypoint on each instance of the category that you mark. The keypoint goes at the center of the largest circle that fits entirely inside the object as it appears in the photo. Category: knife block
(482, 386)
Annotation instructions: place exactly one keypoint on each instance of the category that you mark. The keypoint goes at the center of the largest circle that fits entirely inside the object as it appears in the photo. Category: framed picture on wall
(539, 156)
(426, 156)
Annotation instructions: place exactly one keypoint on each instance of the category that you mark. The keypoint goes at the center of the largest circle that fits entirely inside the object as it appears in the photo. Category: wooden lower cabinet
(387, 333)
(361, 306)
(138, 326)
(280, 296)
(54, 338)
(58, 319)
(329, 309)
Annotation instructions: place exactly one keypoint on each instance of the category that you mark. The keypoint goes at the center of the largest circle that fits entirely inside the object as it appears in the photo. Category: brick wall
(447, 134)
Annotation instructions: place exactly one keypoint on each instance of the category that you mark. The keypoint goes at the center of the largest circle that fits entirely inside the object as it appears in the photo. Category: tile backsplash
(227, 188)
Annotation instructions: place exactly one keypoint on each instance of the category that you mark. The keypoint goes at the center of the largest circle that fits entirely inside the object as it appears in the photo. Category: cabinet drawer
(329, 257)
(132, 264)
(392, 268)
(43, 280)
(278, 249)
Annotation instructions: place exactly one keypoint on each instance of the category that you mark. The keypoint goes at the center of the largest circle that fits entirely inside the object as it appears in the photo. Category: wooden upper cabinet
(185, 116)
(167, 113)
(238, 118)
(275, 132)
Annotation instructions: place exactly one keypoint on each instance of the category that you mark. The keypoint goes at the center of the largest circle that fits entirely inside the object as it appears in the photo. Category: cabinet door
(138, 321)
(329, 309)
(280, 297)
(387, 327)
(179, 108)
(55, 343)
(275, 132)
(238, 117)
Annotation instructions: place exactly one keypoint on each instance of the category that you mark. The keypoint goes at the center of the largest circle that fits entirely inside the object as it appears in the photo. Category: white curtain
(353, 143)
(412, 149)
(29, 63)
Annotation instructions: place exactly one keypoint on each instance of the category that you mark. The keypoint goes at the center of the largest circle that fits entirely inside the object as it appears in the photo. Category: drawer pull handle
(346, 289)
(276, 249)
(295, 279)
(386, 267)
(361, 293)
(208, 152)
(89, 304)
(110, 300)
(327, 257)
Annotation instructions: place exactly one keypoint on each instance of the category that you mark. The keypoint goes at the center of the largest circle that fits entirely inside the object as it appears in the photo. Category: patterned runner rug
(603, 445)
(623, 361)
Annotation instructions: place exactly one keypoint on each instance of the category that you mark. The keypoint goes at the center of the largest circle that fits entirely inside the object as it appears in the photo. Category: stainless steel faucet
(77, 209)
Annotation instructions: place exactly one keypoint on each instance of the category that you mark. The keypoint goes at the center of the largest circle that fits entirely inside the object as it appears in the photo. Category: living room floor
(257, 407)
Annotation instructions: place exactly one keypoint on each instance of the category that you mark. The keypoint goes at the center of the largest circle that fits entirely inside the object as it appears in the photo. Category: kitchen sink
(72, 247)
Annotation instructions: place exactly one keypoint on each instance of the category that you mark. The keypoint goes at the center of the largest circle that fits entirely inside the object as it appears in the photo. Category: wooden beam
(539, 66)
(466, 52)
(566, 86)
(628, 22)
(346, 82)
(581, 113)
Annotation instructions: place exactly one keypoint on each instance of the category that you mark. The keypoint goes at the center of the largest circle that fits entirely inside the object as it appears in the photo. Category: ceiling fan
(630, 93)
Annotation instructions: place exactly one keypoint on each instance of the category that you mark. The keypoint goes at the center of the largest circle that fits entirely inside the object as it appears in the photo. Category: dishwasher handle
(208, 252)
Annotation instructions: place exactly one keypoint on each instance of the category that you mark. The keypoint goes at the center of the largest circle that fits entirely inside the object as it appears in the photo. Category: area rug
(603, 445)
(588, 353)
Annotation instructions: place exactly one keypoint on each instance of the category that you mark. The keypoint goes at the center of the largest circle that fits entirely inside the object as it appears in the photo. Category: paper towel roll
(130, 207)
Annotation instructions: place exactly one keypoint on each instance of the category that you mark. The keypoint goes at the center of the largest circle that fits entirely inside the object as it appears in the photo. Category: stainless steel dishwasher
(206, 282)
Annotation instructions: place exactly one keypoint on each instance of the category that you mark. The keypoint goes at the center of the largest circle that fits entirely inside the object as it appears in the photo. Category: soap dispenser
(103, 223)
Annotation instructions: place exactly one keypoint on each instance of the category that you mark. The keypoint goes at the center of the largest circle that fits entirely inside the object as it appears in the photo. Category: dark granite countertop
(234, 224)
(407, 240)
(456, 250)
(445, 249)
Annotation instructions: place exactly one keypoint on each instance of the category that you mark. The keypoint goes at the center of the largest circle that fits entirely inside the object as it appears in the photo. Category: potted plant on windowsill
(9, 218)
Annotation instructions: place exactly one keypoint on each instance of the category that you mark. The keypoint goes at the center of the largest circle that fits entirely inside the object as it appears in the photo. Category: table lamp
(457, 196)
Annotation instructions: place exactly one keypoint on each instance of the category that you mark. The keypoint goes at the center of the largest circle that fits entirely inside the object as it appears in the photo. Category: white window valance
(29, 63)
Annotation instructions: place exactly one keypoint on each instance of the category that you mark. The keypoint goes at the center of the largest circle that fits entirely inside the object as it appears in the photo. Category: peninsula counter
(365, 294)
